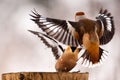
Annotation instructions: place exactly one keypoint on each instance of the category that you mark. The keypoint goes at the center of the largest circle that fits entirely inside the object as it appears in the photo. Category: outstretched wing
(58, 29)
(105, 20)
(46, 40)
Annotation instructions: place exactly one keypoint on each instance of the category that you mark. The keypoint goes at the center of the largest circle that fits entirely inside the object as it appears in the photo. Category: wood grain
(45, 76)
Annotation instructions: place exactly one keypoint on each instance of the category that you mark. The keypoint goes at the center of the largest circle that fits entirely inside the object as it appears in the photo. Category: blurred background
(22, 51)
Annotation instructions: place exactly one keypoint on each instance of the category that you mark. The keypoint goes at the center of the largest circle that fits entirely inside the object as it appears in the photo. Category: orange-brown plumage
(67, 61)
(90, 39)
(83, 31)
(92, 47)
(76, 35)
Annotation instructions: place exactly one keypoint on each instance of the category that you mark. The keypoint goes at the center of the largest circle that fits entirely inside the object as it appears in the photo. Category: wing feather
(58, 29)
(105, 20)
(56, 48)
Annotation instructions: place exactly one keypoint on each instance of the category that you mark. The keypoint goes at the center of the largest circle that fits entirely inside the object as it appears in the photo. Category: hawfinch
(66, 59)
(89, 34)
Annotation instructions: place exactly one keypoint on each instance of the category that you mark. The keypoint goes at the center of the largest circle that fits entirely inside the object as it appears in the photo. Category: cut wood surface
(45, 76)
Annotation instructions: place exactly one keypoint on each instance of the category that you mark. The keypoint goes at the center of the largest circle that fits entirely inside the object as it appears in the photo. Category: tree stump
(45, 76)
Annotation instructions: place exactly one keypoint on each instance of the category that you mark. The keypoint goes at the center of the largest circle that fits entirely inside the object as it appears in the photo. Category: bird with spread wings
(89, 34)
(66, 58)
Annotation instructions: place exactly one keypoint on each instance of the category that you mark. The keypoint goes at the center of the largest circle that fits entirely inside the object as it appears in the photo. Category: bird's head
(79, 15)
(68, 50)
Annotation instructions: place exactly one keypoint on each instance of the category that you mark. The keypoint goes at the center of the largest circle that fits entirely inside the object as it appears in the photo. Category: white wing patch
(107, 23)
(60, 30)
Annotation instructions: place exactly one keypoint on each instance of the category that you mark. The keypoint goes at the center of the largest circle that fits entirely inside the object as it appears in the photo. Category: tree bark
(45, 76)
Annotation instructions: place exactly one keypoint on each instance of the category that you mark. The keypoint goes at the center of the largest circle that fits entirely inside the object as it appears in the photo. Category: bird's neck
(78, 18)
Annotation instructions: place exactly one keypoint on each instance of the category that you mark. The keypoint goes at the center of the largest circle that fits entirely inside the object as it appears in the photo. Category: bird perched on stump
(82, 32)
(66, 59)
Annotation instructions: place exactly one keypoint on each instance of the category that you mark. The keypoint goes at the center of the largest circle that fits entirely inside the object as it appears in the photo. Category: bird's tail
(86, 58)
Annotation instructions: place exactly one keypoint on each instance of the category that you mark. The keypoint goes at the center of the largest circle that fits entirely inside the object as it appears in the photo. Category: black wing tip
(35, 15)
(35, 20)
(108, 23)
(101, 10)
(55, 52)
(37, 33)
(34, 32)
(42, 37)
(35, 12)
(105, 12)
